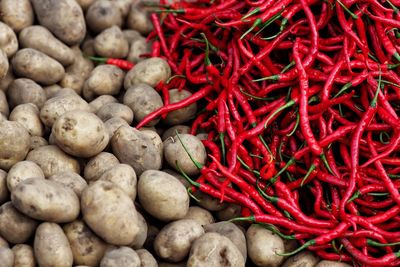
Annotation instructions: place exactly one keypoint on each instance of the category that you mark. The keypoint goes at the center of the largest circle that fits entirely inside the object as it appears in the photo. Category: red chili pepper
(121, 63)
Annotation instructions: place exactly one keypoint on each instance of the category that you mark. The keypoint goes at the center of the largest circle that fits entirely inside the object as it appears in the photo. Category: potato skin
(112, 110)
(123, 176)
(4, 64)
(326, 263)
(18, 14)
(138, 46)
(8, 39)
(138, 19)
(149, 71)
(171, 132)
(103, 14)
(141, 237)
(64, 18)
(100, 101)
(23, 256)
(181, 115)
(113, 124)
(21, 171)
(200, 215)
(28, 116)
(106, 207)
(122, 256)
(5, 81)
(71, 180)
(146, 259)
(4, 108)
(6, 257)
(302, 259)
(51, 246)
(98, 165)
(23, 91)
(111, 43)
(162, 195)
(37, 66)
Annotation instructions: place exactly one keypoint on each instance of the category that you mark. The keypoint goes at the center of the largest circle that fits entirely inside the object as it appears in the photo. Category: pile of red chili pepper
(301, 104)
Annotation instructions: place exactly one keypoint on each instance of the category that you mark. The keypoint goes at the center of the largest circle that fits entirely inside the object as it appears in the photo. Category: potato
(23, 256)
(71, 180)
(229, 212)
(8, 39)
(100, 101)
(171, 132)
(41, 68)
(111, 43)
(146, 259)
(85, 3)
(28, 116)
(64, 18)
(87, 46)
(120, 256)
(112, 110)
(138, 47)
(162, 195)
(21, 171)
(176, 155)
(103, 80)
(175, 239)
(155, 139)
(263, 246)
(212, 249)
(7, 80)
(202, 136)
(41, 39)
(14, 143)
(123, 176)
(4, 194)
(23, 91)
(98, 165)
(77, 73)
(51, 246)
(138, 19)
(131, 35)
(230, 231)
(15, 227)
(6, 257)
(303, 259)
(46, 200)
(124, 6)
(18, 14)
(143, 100)
(87, 248)
(290, 245)
(52, 90)
(103, 14)
(4, 64)
(113, 124)
(37, 141)
(141, 237)
(53, 160)
(65, 92)
(4, 109)
(150, 71)
(200, 215)
(132, 147)
(105, 208)
(181, 115)
(326, 263)
(178, 176)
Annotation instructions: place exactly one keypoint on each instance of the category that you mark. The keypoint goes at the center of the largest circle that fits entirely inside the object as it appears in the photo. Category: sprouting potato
(21, 171)
(28, 116)
(103, 14)
(22, 91)
(18, 14)
(111, 43)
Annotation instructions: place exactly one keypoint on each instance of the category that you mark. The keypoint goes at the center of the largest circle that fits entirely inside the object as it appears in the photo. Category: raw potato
(181, 115)
(46, 200)
(162, 195)
(232, 232)
(8, 39)
(18, 14)
(41, 68)
(263, 246)
(4, 64)
(23, 256)
(85, 3)
(229, 212)
(64, 18)
(146, 259)
(124, 6)
(143, 100)
(41, 39)
(52, 90)
(111, 43)
(53, 160)
(132, 147)
(202, 216)
(113, 124)
(122, 256)
(212, 249)
(21, 171)
(138, 46)
(15, 227)
(37, 141)
(15, 142)
(155, 139)
(178, 176)
(112, 110)
(71, 180)
(123, 176)
(103, 14)
(59, 105)
(175, 239)
(5, 81)
(171, 132)
(326, 263)
(177, 157)
(4, 109)
(3, 187)
(51, 246)
(103, 80)
(149, 71)
(105, 208)
(131, 35)
(302, 259)
(28, 116)
(141, 237)
(23, 91)
(100, 101)
(98, 165)
(3, 243)
(6, 257)
(80, 133)
(138, 19)
(87, 248)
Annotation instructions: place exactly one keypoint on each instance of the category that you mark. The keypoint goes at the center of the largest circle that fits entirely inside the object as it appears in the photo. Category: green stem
(256, 23)
(304, 246)
(287, 105)
(295, 126)
(310, 170)
(377, 244)
(195, 162)
(98, 59)
(354, 16)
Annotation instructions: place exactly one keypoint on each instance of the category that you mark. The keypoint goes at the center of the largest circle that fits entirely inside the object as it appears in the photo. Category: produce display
(199, 133)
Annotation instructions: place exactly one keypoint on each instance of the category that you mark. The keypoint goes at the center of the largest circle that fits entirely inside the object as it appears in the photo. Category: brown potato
(178, 176)
(139, 20)
(208, 202)
(229, 212)
(71, 180)
(37, 141)
(112, 110)
(23, 91)
(64, 18)
(326, 263)
(4, 64)
(137, 47)
(123, 176)
(53, 160)
(146, 259)
(85, 3)
(21, 171)
(41, 68)
(8, 40)
(124, 6)
(15, 227)
(141, 237)
(7, 80)
(52, 90)
(28, 116)
(6, 257)
(41, 39)
(113, 124)
(51, 246)
(171, 132)
(303, 259)
(98, 165)
(181, 115)
(150, 71)
(212, 249)
(175, 239)
(162, 195)
(4, 194)
(200, 215)
(111, 43)
(87, 248)
(87, 46)
(120, 256)
(100, 101)
(4, 109)
(131, 35)
(18, 14)
(23, 256)
(14, 143)
(103, 14)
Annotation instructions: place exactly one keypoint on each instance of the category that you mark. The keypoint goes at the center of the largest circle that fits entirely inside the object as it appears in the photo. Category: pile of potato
(79, 186)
